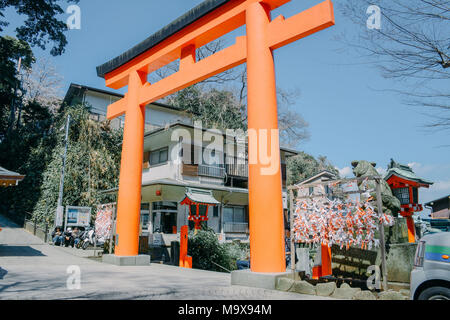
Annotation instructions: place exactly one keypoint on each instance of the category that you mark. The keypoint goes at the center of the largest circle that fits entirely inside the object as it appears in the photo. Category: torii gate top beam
(199, 19)
(177, 25)
(203, 24)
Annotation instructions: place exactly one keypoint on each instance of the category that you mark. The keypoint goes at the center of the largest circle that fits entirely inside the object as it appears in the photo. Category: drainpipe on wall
(222, 205)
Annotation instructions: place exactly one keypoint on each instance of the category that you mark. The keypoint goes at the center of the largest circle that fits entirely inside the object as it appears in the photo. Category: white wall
(170, 170)
(155, 116)
(99, 102)
(161, 117)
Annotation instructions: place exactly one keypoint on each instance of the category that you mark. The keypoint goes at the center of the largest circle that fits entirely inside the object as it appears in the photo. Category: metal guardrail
(32, 227)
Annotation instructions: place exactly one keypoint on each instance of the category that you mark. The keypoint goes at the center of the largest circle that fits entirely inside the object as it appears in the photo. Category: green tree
(92, 166)
(41, 25)
(11, 50)
(304, 166)
(215, 108)
(411, 45)
(27, 150)
(35, 150)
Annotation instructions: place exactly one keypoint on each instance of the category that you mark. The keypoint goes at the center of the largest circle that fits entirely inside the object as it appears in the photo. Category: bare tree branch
(413, 44)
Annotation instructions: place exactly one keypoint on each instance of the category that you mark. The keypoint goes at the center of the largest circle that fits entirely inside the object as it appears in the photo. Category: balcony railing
(236, 167)
(211, 171)
(235, 227)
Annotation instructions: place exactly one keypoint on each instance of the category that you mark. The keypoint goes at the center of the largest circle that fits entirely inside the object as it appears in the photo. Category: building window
(234, 214)
(235, 220)
(159, 156)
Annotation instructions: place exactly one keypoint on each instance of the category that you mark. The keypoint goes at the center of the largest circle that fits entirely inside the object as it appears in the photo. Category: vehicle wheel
(85, 245)
(435, 293)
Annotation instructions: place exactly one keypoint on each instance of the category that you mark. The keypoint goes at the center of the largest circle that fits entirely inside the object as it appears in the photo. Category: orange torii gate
(203, 24)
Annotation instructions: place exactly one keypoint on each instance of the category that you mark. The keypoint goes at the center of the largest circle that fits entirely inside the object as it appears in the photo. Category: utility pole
(20, 104)
(12, 117)
(61, 183)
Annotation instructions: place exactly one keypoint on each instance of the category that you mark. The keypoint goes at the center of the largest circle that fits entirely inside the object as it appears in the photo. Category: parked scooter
(82, 237)
(89, 238)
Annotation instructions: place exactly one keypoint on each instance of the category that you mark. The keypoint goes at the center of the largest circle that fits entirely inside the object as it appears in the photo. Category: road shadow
(5, 222)
(19, 251)
(3, 273)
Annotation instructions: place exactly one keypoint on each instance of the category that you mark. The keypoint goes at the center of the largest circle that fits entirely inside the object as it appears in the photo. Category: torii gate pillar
(267, 253)
(129, 196)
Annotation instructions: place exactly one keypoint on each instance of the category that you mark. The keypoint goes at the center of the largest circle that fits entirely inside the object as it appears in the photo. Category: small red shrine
(199, 202)
(405, 186)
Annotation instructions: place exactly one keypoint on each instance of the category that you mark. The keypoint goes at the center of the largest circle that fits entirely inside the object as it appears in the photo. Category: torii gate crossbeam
(205, 23)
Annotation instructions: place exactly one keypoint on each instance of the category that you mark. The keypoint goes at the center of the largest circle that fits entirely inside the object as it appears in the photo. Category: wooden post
(381, 230)
(185, 260)
(113, 227)
(291, 227)
(46, 232)
(411, 229)
(35, 226)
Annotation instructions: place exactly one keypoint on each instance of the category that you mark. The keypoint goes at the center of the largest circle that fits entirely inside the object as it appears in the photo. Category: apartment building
(173, 165)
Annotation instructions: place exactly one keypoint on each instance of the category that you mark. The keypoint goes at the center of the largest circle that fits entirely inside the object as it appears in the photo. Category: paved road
(31, 269)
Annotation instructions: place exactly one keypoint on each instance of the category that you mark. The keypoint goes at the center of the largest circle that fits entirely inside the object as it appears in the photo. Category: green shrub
(237, 251)
(207, 253)
(204, 247)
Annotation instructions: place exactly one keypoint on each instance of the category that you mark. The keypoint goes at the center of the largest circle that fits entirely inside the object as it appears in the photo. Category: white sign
(78, 216)
(285, 202)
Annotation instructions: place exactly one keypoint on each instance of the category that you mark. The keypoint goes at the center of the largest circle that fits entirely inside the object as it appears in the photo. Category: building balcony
(211, 171)
(236, 167)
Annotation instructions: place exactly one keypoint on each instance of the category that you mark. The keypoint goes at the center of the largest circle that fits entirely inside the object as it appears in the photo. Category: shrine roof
(9, 178)
(10, 174)
(200, 196)
(323, 174)
(405, 172)
(175, 26)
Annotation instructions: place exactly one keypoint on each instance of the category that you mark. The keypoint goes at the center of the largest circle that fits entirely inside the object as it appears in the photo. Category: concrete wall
(400, 261)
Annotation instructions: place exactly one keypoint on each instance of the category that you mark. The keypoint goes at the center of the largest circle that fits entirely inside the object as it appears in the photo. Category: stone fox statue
(391, 205)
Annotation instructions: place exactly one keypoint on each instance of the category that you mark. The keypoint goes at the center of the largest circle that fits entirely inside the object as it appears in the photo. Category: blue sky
(351, 113)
